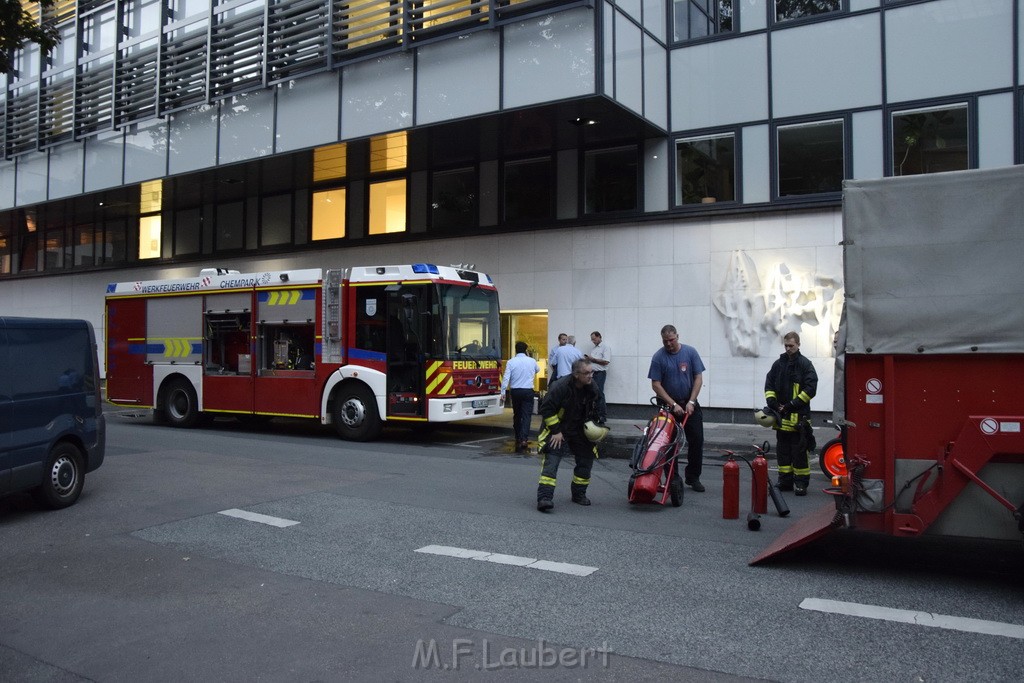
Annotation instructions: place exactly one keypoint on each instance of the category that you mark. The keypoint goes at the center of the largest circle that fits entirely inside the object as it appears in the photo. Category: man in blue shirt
(518, 381)
(676, 376)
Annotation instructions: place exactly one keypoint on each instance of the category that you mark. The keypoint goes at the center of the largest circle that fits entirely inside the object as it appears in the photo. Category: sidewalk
(718, 436)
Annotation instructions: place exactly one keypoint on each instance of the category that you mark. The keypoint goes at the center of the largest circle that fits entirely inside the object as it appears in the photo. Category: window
(329, 214)
(387, 207)
(230, 232)
(701, 18)
(388, 152)
(930, 140)
(330, 162)
(811, 158)
(454, 199)
(706, 170)
(187, 230)
(151, 199)
(611, 180)
(276, 223)
(528, 190)
(798, 9)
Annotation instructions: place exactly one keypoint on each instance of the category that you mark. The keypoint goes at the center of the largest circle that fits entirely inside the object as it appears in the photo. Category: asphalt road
(422, 557)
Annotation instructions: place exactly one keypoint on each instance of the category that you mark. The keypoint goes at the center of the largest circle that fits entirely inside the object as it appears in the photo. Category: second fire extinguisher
(759, 492)
(731, 489)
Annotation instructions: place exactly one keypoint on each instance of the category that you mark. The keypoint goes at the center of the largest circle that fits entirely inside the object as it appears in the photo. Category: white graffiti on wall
(755, 312)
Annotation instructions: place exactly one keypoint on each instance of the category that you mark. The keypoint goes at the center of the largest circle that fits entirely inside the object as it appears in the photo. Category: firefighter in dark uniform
(788, 390)
(568, 411)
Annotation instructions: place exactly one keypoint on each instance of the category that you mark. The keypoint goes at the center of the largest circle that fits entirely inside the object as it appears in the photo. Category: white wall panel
(629, 68)
(719, 83)
(826, 66)
(66, 162)
(295, 128)
(7, 175)
(756, 163)
(193, 139)
(458, 77)
(145, 152)
(934, 49)
(753, 14)
(655, 174)
(868, 145)
(654, 18)
(655, 81)
(31, 185)
(247, 126)
(856, 5)
(104, 161)
(995, 130)
(549, 58)
(377, 96)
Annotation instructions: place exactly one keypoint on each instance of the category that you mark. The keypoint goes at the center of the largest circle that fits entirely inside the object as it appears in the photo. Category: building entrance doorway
(530, 327)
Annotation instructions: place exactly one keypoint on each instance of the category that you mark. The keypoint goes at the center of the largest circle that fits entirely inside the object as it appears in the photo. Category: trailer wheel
(180, 406)
(355, 414)
(832, 458)
(63, 477)
(675, 490)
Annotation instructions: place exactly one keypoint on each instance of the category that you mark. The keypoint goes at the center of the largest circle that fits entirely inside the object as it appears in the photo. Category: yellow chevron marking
(294, 298)
(433, 367)
(439, 379)
(449, 387)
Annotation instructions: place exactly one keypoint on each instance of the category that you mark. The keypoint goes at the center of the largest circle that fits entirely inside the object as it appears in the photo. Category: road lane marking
(476, 444)
(257, 517)
(905, 616)
(528, 562)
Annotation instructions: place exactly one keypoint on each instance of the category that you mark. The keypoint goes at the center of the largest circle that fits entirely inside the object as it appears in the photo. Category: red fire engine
(353, 347)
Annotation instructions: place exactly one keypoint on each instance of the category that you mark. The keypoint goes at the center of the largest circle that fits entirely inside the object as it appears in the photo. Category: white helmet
(765, 417)
(594, 432)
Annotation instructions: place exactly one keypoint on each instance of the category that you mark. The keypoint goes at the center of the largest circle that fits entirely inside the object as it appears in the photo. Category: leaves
(17, 26)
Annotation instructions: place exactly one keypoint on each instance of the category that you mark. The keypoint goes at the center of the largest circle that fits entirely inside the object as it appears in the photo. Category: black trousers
(694, 431)
(522, 411)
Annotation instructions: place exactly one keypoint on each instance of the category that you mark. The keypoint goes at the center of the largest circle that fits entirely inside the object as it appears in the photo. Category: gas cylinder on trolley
(759, 492)
(731, 489)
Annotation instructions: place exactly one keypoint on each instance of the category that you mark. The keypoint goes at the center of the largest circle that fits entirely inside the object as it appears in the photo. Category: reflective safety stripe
(804, 397)
(581, 481)
(546, 481)
(800, 471)
(769, 394)
(788, 469)
(549, 421)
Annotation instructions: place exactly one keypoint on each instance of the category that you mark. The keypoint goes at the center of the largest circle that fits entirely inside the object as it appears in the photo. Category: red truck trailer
(930, 365)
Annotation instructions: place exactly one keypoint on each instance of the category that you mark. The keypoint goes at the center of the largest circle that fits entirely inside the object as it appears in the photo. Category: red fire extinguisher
(731, 489)
(759, 493)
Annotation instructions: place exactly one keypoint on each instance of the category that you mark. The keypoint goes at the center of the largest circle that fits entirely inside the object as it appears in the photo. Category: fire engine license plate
(479, 404)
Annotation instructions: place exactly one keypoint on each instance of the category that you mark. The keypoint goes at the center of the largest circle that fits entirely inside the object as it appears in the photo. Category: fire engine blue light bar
(425, 268)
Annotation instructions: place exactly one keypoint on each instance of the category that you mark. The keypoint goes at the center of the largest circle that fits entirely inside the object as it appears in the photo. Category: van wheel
(63, 477)
(355, 414)
(180, 404)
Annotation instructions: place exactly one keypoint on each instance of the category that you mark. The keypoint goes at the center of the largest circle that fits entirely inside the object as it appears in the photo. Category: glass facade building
(614, 165)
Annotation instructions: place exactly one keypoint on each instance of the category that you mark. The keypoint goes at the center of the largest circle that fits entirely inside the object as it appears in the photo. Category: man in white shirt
(518, 382)
(563, 339)
(600, 358)
(565, 355)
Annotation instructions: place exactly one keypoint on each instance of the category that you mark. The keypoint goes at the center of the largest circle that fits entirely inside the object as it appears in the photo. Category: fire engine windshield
(470, 324)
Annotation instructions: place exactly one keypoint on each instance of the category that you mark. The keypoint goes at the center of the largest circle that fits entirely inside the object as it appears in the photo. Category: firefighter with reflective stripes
(567, 413)
(788, 390)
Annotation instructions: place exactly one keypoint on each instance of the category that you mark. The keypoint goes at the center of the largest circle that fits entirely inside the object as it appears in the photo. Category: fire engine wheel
(832, 459)
(63, 477)
(180, 404)
(355, 415)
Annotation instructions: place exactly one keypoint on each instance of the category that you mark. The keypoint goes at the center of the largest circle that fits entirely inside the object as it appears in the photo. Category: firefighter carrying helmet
(766, 417)
(594, 432)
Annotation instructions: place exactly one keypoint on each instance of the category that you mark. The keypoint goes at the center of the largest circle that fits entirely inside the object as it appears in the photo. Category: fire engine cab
(353, 347)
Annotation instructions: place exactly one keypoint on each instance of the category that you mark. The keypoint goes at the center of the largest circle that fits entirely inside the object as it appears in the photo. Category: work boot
(696, 485)
(580, 499)
(545, 504)
(800, 490)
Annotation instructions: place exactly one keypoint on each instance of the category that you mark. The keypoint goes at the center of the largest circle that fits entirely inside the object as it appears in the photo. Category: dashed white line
(528, 562)
(929, 619)
(257, 517)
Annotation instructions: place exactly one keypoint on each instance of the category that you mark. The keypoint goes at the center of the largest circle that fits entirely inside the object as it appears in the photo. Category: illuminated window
(329, 214)
(388, 152)
(387, 207)
(365, 23)
(151, 199)
(440, 12)
(329, 163)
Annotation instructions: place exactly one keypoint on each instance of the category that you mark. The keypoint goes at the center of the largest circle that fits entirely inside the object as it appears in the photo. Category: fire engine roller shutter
(276, 306)
(174, 330)
(229, 302)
